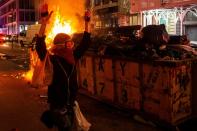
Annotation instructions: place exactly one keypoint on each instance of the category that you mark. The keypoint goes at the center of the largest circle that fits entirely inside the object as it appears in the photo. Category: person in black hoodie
(63, 89)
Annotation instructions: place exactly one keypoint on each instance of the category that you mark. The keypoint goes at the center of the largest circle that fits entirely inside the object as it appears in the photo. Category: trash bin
(160, 89)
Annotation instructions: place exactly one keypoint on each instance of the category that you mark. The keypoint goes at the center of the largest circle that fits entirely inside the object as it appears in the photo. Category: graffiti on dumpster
(152, 78)
(182, 107)
(122, 66)
(182, 79)
(85, 83)
(124, 94)
(102, 84)
(83, 62)
(182, 96)
(101, 65)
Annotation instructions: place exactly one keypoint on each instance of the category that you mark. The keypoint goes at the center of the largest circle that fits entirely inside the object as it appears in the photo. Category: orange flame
(59, 25)
(33, 62)
(28, 75)
(65, 19)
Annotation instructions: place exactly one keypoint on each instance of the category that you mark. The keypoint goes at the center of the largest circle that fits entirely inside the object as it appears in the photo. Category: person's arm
(40, 41)
(84, 44)
(44, 22)
(87, 21)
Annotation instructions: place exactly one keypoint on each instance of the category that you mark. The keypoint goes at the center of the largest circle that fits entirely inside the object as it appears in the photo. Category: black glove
(44, 14)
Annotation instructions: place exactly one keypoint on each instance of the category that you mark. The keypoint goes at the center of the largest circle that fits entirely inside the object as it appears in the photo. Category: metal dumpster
(160, 89)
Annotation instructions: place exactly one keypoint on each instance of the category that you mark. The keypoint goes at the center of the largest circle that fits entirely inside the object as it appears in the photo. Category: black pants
(60, 128)
(64, 129)
(60, 119)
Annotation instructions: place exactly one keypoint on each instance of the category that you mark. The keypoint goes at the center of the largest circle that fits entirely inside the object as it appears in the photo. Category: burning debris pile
(154, 43)
(65, 19)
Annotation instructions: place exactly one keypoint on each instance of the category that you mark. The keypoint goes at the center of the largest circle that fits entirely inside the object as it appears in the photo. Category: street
(15, 54)
(22, 105)
(134, 63)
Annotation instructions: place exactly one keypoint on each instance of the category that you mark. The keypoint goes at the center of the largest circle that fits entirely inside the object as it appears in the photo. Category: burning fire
(65, 19)
(59, 25)
(28, 75)
(33, 62)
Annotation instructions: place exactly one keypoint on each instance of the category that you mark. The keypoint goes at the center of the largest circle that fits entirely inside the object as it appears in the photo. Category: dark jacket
(58, 89)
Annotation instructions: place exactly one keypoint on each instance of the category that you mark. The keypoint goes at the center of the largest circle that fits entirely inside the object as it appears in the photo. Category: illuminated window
(134, 20)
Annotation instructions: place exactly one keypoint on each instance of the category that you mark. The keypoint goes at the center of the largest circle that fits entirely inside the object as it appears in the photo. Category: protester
(63, 89)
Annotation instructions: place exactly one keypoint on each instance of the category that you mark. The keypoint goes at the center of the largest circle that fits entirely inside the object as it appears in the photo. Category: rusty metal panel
(181, 92)
(194, 89)
(127, 71)
(104, 78)
(127, 82)
(156, 85)
(165, 112)
(85, 71)
(167, 92)
(164, 91)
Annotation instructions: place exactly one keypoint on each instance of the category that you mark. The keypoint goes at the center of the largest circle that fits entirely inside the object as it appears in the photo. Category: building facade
(113, 13)
(16, 15)
(179, 16)
(104, 13)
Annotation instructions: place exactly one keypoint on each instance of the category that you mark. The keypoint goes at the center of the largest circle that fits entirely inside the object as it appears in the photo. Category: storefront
(179, 16)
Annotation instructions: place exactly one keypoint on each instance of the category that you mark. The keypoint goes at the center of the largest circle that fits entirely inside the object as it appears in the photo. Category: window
(27, 16)
(26, 4)
(97, 2)
(134, 19)
(21, 16)
(113, 9)
(105, 1)
(114, 0)
(31, 4)
(21, 4)
(190, 16)
(32, 16)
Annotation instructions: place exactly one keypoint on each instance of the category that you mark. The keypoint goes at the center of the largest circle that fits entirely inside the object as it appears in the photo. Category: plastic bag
(48, 71)
(43, 72)
(81, 122)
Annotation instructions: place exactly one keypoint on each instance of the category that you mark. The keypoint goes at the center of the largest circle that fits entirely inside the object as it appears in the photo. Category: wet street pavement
(15, 54)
